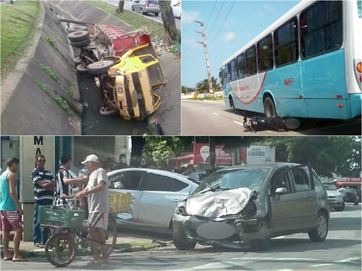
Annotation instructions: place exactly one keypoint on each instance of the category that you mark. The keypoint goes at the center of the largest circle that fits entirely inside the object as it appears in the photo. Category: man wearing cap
(97, 193)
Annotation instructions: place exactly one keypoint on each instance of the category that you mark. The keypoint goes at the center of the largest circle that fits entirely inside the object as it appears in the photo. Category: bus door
(323, 60)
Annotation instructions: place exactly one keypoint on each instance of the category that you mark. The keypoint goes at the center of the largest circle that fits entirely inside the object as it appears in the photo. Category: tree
(203, 86)
(158, 151)
(169, 21)
(120, 7)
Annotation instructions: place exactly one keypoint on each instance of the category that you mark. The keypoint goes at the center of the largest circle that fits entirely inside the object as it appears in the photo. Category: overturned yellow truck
(126, 68)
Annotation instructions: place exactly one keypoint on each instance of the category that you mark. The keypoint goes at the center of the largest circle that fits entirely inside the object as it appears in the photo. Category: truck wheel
(269, 107)
(319, 234)
(179, 238)
(77, 61)
(77, 28)
(81, 69)
(100, 67)
(80, 44)
(78, 36)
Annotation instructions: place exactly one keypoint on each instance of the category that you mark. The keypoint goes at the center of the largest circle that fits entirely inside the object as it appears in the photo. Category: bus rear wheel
(269, 107)
(231, 102)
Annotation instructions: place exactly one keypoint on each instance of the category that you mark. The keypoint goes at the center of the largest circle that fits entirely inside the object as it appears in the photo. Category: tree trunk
(11, 2)
(169, 21)
(120, 6)
(212, 153)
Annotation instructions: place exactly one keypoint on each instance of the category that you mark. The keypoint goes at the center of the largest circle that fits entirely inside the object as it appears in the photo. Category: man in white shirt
(97, 193)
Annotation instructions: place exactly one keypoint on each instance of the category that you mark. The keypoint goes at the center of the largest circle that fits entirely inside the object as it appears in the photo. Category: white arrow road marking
(321, 264)
(348, 260)
(238, 123)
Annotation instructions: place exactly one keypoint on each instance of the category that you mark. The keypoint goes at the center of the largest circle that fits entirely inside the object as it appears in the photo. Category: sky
(229, 25)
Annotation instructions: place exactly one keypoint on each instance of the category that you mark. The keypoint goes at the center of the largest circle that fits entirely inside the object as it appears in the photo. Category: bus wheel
(231, 101)
(269, 107)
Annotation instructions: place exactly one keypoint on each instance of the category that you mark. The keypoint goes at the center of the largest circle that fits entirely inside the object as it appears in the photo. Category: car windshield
(329, 186)
(232, 179)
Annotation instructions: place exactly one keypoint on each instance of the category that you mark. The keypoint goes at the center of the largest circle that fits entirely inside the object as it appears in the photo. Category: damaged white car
(246, 206)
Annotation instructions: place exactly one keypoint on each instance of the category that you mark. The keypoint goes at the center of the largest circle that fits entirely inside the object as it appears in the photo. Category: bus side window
(240, 65)
(265, 54)
(250, 62)
(286, 43)
(233, 70)
(321, 28)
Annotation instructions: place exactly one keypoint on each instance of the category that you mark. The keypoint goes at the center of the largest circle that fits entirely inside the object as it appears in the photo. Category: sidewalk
(123, 244)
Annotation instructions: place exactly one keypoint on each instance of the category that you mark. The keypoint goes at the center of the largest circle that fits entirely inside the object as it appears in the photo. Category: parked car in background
(335, 198)
(176, 8)
(349, 194)
(146, 7)
(154, 195)
(241, 206)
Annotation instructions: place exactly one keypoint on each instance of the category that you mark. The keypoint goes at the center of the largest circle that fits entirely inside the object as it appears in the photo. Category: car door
(127, 182)
(283, 205)
(160, 195)
(305, 194)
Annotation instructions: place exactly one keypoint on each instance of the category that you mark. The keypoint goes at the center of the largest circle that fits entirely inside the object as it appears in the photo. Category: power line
(217, 16)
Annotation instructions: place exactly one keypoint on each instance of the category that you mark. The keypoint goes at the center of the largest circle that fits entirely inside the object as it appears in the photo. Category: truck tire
(81, 69)
(100, 67)
(77, 28)
(80, 44)
(179, 238)
(319, 234)
(78, 36)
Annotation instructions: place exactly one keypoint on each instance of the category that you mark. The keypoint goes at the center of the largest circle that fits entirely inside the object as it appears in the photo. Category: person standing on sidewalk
(44, 183)
(97, 193)
(10, 211)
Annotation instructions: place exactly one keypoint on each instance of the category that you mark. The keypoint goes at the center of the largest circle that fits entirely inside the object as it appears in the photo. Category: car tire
(319, 234)
(231, 103)
(180, 240)
(261, 244)
(132, 8)
(78, 36)
(80, 44)
(269, 107)
(100, 67)
(156, 14)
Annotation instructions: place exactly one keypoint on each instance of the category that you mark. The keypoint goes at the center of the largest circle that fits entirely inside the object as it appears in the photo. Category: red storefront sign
(202, 154)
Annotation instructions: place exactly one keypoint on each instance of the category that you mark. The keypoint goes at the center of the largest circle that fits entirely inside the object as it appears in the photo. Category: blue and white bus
(307, 64)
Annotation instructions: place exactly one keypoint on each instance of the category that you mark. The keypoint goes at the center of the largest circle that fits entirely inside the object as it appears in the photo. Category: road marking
(321, 264)
(238, 123)
(279, 237)
(215, 114)
(348, 260)
(275, 259)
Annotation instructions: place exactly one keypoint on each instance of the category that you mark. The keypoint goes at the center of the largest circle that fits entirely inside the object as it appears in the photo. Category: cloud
(229, 37)
(188, 17)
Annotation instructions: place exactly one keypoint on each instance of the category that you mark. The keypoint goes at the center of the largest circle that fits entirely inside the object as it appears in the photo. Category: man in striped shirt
(44, 182)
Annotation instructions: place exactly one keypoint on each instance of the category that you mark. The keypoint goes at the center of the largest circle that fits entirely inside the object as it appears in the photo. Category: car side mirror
(281, 190)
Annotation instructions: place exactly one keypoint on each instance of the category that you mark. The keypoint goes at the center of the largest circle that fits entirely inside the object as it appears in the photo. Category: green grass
(135, 20)
(18, 23)
(209, 97)
(58, 99)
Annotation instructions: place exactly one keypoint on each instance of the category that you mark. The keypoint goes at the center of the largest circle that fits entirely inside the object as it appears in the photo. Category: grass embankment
(18, 25)
(134, 20)
(207, 97)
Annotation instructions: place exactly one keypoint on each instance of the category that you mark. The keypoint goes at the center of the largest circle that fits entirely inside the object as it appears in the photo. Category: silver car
(146, 6)
(335, 198)
(154, 195)
(246, 206)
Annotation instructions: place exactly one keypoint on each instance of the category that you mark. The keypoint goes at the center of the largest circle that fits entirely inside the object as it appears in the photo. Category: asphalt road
(128, 6)
(340, 251)
(211, 118)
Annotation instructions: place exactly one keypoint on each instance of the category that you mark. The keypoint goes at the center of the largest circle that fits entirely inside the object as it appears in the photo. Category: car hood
(217, 204)
(333, 193)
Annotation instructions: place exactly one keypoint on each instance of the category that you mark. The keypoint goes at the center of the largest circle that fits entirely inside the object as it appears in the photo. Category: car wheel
(269, 107)
(78, 36)
(156, 14)
(180, 240)
(319, 234)
(261, 244)
(132, 8)
(100, 67)
(80, 44)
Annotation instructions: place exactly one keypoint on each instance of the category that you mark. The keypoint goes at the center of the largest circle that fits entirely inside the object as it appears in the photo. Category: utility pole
(204, 44)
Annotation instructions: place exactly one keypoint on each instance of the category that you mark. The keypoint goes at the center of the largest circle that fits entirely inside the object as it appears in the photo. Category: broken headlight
(181, 210)
(249, 210)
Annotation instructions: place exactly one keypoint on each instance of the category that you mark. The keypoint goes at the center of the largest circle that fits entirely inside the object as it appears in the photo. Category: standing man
(63, 191)
(10, 211)
(44, 183)
(97, 193)
(122, 162)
